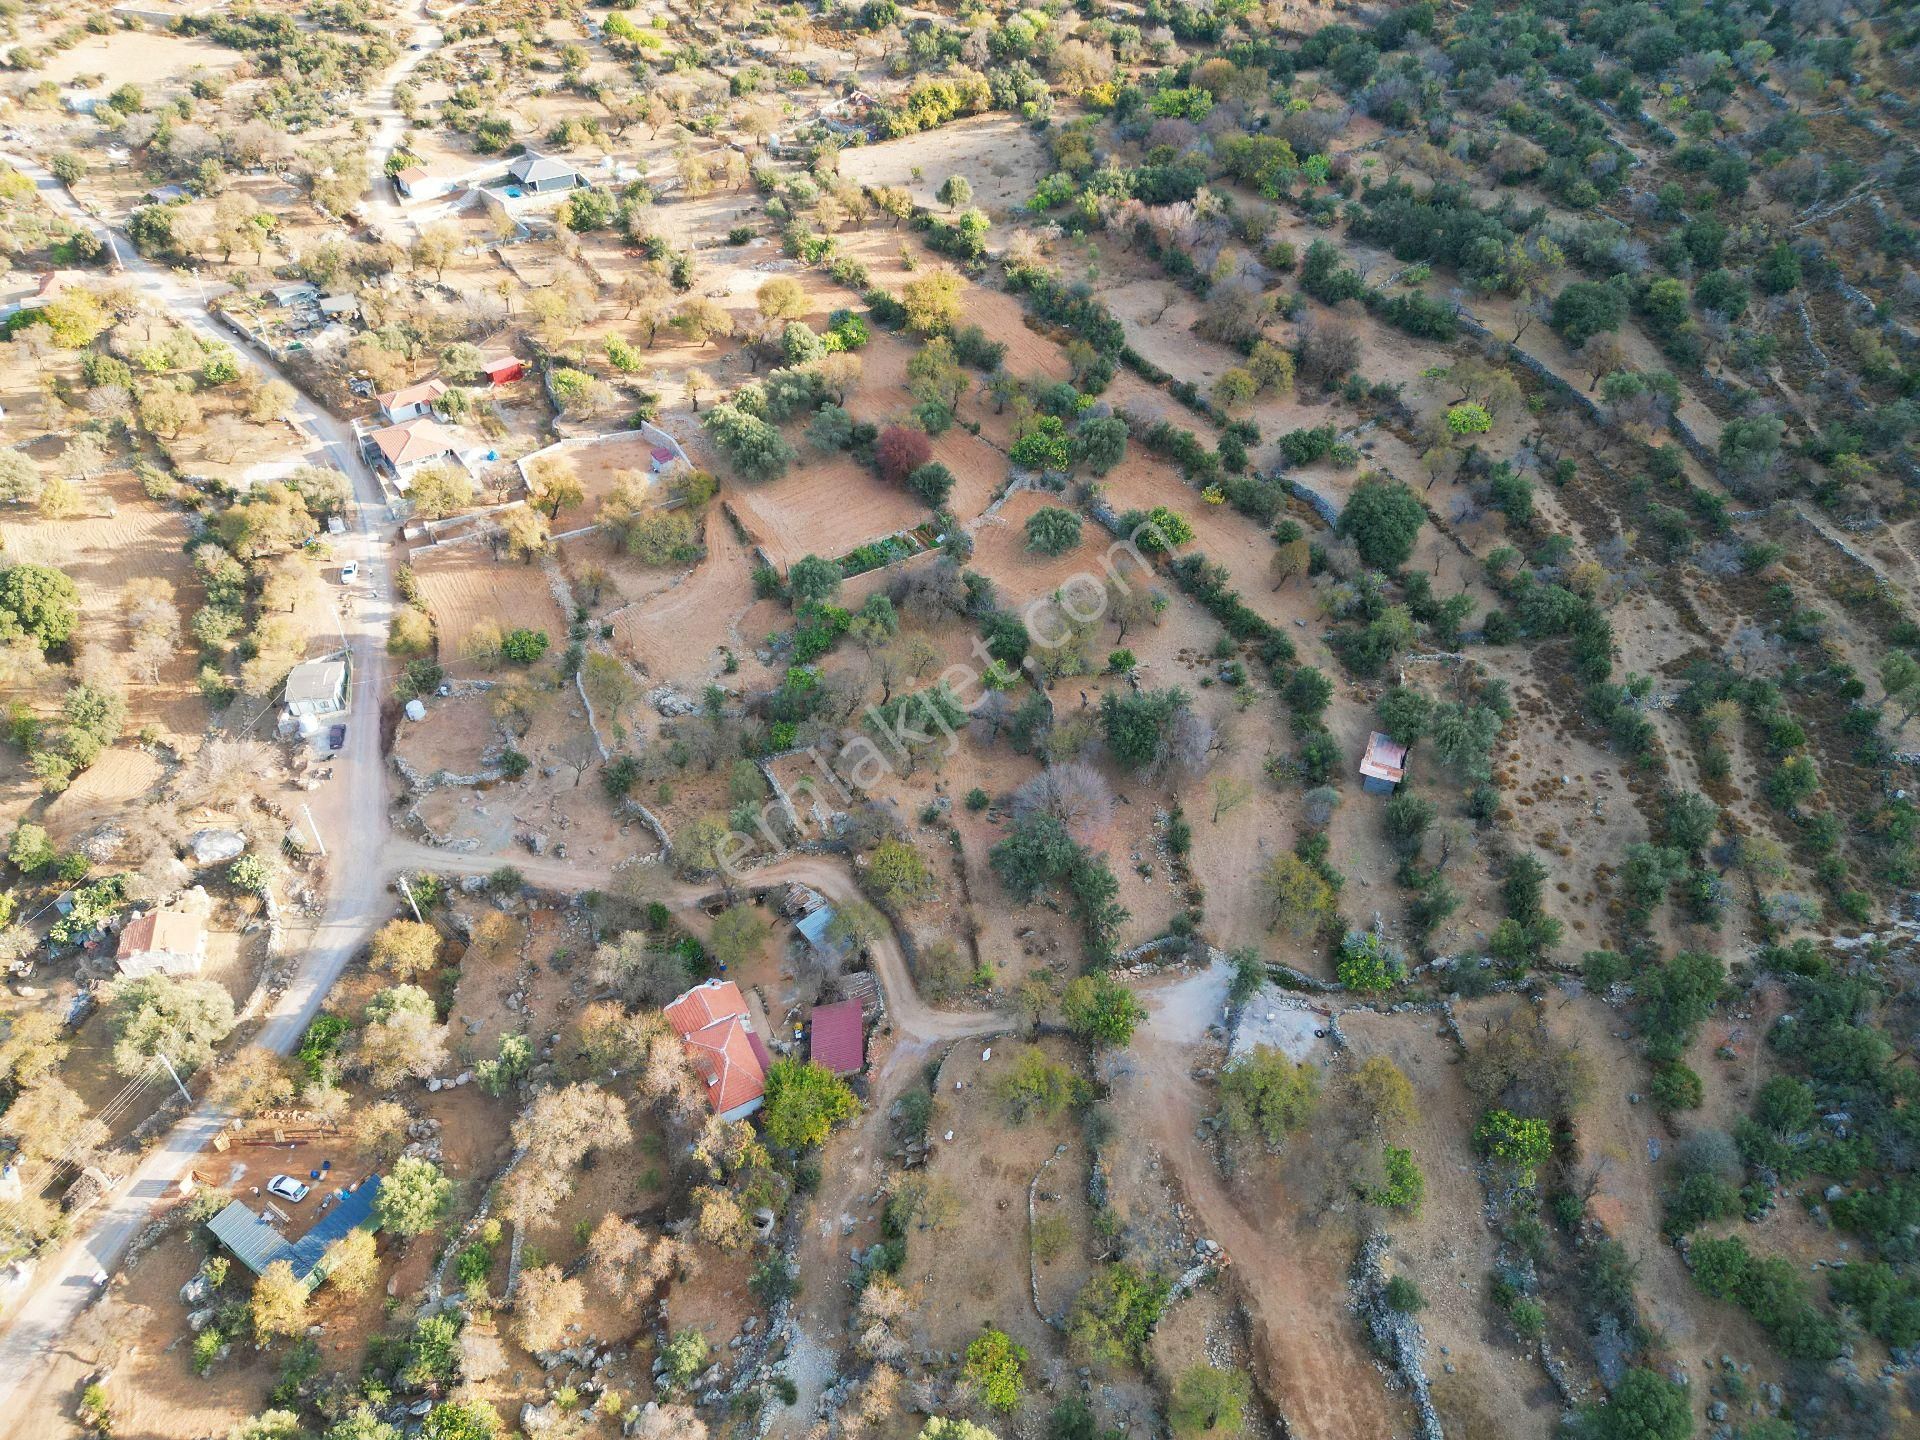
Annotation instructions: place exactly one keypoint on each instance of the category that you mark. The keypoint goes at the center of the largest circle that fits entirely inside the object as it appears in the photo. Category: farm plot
(124, 536)
(151, 60)
(465, 585)
(105, 791)
(825, 508)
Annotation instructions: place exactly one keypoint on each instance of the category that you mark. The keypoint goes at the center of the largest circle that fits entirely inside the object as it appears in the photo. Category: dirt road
(1308, 1348)
(914, 1021)
(386, 214)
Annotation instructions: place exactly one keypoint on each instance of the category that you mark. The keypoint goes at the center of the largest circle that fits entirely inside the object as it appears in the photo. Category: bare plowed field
(998, 154)
(464, 585)
(120, 535)
(677, 634)
(823, 507)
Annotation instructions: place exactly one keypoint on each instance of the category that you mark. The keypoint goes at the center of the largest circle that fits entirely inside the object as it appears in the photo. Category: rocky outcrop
(1395, 1332)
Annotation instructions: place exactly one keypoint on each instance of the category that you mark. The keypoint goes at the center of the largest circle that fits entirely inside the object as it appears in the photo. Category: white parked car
(287, 1188)
(349, 571)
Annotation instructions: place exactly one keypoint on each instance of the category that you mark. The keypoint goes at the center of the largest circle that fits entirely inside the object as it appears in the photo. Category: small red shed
(839, 1040)
(503, 370)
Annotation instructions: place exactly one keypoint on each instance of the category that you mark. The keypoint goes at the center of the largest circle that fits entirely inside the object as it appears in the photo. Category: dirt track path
(1308, 1349)
(912, 1018)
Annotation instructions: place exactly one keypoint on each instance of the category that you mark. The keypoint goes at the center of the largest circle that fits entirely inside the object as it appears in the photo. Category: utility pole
(407, 890)
(315, 828)
(174, 1074)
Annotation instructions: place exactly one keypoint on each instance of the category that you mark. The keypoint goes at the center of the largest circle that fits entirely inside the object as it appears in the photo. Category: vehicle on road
(349, 572)
(336, 739)
(288, 1188)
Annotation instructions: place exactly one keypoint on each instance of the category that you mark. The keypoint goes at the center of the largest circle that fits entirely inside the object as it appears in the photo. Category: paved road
(351, 805)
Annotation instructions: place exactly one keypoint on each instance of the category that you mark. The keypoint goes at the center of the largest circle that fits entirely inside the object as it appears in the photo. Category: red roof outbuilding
(502, 370)
(839, 1040)
(1385, 760)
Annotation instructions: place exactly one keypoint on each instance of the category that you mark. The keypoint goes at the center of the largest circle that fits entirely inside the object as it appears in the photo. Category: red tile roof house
(412, 445)
(712, 1022)
(412, 401)
(1384, 765)
(839, 1040)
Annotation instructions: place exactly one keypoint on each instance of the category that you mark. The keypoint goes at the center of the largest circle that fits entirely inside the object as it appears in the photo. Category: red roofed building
(163, 942)
(412, 401)
(412, 445)
(503, 370)
(712, 1021)
(1384, 765)
(839, 1040)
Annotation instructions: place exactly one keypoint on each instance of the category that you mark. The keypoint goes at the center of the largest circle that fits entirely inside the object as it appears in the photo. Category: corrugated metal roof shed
(814, 925)
(256, 1244)
(351, 1210)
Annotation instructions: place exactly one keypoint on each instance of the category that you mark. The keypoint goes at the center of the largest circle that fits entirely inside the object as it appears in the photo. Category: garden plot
(598, 464)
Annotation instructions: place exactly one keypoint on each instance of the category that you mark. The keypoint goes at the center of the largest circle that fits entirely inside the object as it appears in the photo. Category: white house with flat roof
(318, 688)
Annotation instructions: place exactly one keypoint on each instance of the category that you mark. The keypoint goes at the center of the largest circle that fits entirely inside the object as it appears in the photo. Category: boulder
(212, 846)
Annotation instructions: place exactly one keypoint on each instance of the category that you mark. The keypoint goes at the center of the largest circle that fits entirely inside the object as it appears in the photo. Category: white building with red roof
(409, 447)
(713, 1023)
(163, 942)
(410, 402)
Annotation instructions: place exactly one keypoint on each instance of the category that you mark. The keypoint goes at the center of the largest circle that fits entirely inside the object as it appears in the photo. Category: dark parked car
(336, 738)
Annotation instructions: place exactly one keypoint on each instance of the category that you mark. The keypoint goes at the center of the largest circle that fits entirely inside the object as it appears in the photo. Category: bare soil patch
(998, 154)
(465, 585)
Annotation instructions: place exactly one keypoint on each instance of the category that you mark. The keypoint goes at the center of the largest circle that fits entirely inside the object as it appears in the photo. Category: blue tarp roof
(256, 1244)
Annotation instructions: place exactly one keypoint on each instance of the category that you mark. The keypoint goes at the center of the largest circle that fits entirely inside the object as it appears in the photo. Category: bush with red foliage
(901, 450)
